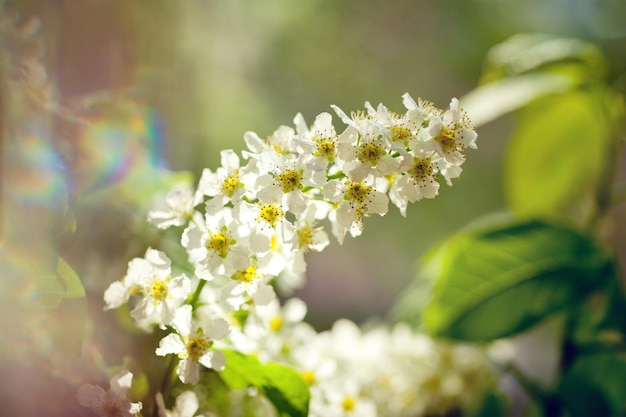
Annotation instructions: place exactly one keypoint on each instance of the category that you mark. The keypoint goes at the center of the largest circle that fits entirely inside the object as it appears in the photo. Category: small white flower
(150, 277)
(186, 405)
(192, 343)
(176, 209)
(111, 403)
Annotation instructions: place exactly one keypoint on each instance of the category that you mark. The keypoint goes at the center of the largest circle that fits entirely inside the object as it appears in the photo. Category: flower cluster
(246, 229)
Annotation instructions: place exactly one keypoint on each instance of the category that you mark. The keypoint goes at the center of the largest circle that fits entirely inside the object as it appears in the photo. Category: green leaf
(73, 285)
(530, 52)
(282, 385)
(500, 280)
(557, 153)
(491, 101)
(595, 386)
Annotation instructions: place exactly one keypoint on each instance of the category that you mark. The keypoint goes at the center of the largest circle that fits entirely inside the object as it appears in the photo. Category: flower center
(370, 152)
(421, 169)
(197, 345)
(309, 377)
(400, 134)
(357, 191)
(446, 140)
(231, 184)
(245, 275)
(220, 243)
(159, 289)
(290, 180)
(276, 323)
(348, 403)
(326, 148)
(270, 213)
(305, 237)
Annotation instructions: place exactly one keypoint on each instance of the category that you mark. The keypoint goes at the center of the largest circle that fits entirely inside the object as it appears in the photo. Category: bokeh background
(135, 90)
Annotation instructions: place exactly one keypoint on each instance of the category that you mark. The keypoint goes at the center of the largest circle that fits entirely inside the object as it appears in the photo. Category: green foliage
(557, 153)
(501, 280)
(282, 385)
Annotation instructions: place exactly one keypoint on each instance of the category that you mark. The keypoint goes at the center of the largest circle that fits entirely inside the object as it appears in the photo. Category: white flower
(176, 209)
(192, 343)
(220, 245)
(111, 403)
(452, 133)
(186, 405)
(319, 144)
(357, 199)
(230, 181)
(150, 277)
(417, 182)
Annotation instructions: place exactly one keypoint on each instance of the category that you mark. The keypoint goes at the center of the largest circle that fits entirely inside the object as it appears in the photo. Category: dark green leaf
(595, 386)
(498, 281)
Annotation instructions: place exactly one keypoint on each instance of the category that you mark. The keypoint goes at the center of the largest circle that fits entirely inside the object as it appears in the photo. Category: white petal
(121, 382)
(188, 371)
(170, 344)
(115, 295)
(89, 395)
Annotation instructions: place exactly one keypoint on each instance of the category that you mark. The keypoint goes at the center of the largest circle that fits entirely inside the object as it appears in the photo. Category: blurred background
(102, 100)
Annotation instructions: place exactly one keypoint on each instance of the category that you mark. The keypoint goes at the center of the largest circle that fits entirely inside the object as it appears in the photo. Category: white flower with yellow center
(230, 181)
(452, 133)
(417, 182)
(192, 343)
(249, 284)
(150, 278)
(318, 144)
(220, 244)
(285, 181)
(356, 200)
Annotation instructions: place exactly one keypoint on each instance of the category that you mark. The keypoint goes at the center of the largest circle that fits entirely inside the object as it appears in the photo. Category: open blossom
(111, 403)
(357, 199)
(176, 209)
(230, 181)
(150, 278)
(192, 343)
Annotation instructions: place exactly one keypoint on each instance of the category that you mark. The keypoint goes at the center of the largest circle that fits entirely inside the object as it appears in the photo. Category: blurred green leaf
(73, 285)
(282, 385)
(49, 291)
(497, 281)
(595, 386)
(527, 52)
(491, 101)
(557, 153)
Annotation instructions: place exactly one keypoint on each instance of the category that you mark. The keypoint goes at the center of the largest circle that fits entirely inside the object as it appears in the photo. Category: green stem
(196, 295)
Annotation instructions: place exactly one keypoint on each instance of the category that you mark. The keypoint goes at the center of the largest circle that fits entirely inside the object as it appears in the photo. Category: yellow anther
(357, 191)
(400, 134)
(245, 275)
(159, 289)
(370, 152)
(219, 243)
(348, 403)
(231, 184)
(270, 213)
(276, 323)
(309, 377)
(326, 148)
(197, 345)
(290, 180)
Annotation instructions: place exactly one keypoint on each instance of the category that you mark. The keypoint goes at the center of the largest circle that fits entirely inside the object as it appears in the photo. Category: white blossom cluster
(246, 230)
